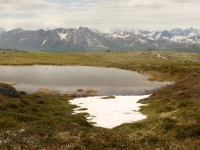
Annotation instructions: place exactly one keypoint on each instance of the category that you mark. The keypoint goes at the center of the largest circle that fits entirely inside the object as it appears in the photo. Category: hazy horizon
(115, 28)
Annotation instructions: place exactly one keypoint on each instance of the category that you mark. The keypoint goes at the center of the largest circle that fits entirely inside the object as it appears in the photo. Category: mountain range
(84, 39)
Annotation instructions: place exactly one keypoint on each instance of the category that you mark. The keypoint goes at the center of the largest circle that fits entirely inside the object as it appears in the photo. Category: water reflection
(108, 81)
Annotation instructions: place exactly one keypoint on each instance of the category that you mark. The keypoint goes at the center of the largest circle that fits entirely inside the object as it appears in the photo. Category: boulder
(8, 90)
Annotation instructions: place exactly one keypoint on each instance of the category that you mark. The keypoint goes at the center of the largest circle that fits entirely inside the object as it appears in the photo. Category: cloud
(142, 4)
(24, 6)
(101, 14)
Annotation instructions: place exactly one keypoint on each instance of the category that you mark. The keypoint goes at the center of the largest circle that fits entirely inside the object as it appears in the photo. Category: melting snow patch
(62, 35)
(22, 39)
(102, 46)
(142, 41)
(109, 113)
(43, 42)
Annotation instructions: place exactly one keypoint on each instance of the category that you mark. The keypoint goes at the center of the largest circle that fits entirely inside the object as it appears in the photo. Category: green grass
(44, 121)
(169, 64)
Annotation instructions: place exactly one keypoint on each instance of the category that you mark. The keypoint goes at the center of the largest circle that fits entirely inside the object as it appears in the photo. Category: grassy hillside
(44, 120)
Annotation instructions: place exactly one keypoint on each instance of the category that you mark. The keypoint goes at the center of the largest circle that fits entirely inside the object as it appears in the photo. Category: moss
(187, 131)
(4, 85)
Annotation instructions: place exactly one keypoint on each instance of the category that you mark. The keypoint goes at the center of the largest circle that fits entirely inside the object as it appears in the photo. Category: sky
(99, 14)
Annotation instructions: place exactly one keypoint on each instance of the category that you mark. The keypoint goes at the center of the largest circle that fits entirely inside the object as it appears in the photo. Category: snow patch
(142, 41)
(185, 39)
(117, 35)
(88, 41)
(102, 46)
(131, 44)
(158, 36)
(151, 38)
(22, 39)
(43, 42)
(62, 35)
(109, 113)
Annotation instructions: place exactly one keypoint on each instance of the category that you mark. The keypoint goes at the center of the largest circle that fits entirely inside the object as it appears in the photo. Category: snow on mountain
(60, 39)
(85, 39)
(177, 35)
(16, 31)
(189, 35)
(123, 35)
(157, 39)
(132, 30)
(83, 36)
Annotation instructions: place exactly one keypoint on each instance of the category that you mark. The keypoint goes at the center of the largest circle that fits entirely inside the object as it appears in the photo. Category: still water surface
(108, 81)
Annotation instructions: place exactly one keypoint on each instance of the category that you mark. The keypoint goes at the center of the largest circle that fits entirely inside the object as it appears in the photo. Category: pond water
(108, 81)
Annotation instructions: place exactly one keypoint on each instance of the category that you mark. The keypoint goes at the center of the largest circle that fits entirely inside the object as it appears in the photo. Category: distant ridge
(83, 39)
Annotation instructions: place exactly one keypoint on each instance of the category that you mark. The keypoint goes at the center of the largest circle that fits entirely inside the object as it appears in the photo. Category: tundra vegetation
(44, 120)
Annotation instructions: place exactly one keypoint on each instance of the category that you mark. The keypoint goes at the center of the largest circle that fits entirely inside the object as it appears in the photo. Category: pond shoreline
(107, 81)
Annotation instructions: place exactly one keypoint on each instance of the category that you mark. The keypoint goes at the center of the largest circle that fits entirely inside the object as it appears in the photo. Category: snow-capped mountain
(85, 39)
(58, 40)
(132, 30)
(174, 39)
(129, 39)
(187, 36)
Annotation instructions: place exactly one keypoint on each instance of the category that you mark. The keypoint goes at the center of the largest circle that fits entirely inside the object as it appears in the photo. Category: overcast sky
(99, 14)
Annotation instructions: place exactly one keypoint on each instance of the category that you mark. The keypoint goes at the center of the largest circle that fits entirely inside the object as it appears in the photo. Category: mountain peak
(17, 30)
(191, 30)
(177, 31)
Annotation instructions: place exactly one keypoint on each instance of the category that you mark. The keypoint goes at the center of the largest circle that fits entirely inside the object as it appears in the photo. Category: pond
(128, 88)
(107, 81)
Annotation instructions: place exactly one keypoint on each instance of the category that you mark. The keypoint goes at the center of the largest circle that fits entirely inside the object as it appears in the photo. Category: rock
(8, 90)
